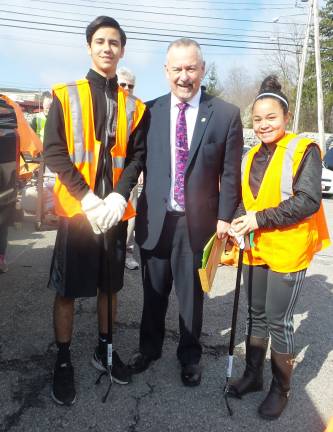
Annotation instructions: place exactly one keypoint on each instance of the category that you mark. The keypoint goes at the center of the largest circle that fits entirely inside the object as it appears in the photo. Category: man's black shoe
(191, 375)
(140, 362)
(63, 391)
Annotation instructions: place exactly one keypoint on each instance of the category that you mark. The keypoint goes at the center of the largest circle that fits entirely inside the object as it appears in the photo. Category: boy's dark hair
(104, 21)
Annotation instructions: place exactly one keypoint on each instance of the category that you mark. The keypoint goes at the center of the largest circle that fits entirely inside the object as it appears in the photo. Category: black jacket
(306, 187)
(212, 173)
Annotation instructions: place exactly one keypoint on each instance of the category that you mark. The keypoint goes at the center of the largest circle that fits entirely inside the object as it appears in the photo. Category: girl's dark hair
(270, 87)
(104, 21)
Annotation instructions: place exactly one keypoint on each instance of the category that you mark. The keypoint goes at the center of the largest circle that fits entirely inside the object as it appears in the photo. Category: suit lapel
(164, 130)
(204, 114)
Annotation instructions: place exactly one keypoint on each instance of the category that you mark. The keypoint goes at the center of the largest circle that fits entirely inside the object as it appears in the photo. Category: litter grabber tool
(108, 371)
(234, 325)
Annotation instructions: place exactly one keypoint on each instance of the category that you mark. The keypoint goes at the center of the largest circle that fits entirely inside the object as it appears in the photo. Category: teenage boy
(95, 142)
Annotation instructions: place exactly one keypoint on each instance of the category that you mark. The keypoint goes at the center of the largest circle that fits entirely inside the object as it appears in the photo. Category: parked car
(327, 181)
(329, 143)
(327, 173)
(246, 148)
(328, 159)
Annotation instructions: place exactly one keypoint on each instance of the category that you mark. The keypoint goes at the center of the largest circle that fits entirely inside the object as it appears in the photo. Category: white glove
(116, 205)
(95, 209)
(240, 239)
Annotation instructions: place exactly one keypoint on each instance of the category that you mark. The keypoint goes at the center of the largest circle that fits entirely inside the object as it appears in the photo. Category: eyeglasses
(123, 85)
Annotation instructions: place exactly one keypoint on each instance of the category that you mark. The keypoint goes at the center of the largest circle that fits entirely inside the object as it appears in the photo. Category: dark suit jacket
(212, 178)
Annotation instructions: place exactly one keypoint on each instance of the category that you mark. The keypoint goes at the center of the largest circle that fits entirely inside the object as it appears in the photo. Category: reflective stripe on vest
(287, 169)
(288, 248)
(83, 147)
(118, 162)
(130, 110)
(80, 155)
(286, 184)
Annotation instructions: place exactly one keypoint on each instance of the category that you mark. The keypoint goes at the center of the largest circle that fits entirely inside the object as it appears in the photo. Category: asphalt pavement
(156, 400)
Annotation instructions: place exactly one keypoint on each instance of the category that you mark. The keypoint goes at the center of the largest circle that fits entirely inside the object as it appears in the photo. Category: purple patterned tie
(181, 154)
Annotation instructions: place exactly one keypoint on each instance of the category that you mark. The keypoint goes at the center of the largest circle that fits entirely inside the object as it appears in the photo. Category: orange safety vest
(291, 248)
(329, 426)
(28, 141)
(83, 147)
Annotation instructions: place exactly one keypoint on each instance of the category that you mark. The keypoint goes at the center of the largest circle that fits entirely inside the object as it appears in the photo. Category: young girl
(281, 193)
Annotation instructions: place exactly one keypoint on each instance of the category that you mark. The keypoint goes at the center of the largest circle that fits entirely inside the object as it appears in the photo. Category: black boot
(277, 398)
(252, 379)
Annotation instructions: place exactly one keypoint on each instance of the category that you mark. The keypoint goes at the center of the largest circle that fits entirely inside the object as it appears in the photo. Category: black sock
(102, 339)
(64, 353)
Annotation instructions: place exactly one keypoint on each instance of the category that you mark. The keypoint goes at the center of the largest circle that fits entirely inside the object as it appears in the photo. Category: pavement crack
(26, 394)
(26, 389)
(136, 415)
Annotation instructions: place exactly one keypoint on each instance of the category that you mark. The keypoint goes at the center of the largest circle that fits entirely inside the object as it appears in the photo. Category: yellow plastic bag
(230, 254)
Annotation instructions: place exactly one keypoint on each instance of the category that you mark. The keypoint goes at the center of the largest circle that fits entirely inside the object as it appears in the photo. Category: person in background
(46, 179)
(16, 138)
(8, 170)
(39, 120)
(126, 80)
(98, 154)
(281, 191)
(191, 191)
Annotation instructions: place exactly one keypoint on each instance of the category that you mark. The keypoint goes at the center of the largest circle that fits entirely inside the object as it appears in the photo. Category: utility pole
(302, 70)
(320, 97)
(313, 11)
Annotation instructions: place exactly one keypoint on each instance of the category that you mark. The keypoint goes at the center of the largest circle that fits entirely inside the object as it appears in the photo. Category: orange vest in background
(291, 248)
(29, 141)
(83, 147)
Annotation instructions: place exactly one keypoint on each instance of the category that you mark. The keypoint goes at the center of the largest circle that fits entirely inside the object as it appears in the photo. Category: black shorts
(80, 264)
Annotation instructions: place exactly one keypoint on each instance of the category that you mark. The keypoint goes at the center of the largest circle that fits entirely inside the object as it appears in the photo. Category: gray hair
(186, 42)
(126, 73)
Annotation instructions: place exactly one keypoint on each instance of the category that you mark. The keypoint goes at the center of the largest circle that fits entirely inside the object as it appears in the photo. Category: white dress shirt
(191, 114)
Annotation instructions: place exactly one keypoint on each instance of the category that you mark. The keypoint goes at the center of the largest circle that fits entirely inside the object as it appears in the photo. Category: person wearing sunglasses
(126, 79)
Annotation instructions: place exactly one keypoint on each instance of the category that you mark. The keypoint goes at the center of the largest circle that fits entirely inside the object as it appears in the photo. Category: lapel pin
(203, 119)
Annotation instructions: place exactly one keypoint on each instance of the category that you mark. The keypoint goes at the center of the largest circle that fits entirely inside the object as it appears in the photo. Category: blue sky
(35, 59)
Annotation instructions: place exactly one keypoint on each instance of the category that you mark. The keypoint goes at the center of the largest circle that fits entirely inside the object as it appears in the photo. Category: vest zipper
(108, 118)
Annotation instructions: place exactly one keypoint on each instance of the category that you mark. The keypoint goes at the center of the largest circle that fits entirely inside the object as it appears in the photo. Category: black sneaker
(63, 392)
(121, 374)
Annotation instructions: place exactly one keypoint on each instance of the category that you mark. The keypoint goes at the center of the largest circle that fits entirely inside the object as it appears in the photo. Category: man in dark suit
(191, 190)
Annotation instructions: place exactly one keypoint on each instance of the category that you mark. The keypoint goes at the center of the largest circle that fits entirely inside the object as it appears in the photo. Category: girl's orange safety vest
(83, 147)
(291, 248)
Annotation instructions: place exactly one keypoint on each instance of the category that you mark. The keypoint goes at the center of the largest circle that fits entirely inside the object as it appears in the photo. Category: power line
(153, 28)
(148, 40)
(225, 9)
(220, 2)
(145, 21)
(153, 34)
(52, 42)
(165, 14)
(147, 28)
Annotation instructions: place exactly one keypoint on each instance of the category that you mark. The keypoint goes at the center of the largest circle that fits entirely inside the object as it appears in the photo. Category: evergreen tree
(309, 102)
(211, 81)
